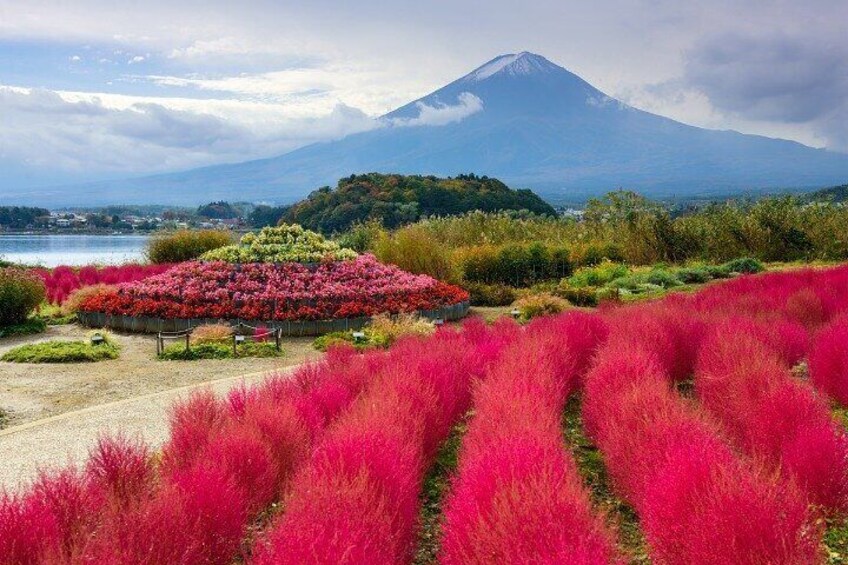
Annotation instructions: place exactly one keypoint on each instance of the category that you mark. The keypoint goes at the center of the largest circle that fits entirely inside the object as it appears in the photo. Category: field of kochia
(711, 412)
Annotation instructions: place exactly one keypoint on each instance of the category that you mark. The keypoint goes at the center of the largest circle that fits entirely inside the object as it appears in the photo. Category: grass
(592, 469)
(178, 351)
(4, 418)
(435, 487)
(836, 532)
(62, 352)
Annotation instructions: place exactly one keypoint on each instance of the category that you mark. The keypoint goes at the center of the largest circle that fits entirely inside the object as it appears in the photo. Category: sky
(105, 89)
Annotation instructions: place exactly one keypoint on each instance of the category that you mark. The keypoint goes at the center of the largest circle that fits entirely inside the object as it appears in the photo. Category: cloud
(136, 59)
(75, 58)
(776, 78)
(81, 132)
(468, 104)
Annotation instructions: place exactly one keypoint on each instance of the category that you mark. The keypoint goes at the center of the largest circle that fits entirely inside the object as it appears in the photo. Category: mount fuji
(520, 118)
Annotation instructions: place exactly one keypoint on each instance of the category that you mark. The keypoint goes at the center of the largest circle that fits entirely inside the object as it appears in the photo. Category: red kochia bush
(828, 362)
(743, 382)
(517, 495)
(62, 281)
(357, 500)
(696, 501)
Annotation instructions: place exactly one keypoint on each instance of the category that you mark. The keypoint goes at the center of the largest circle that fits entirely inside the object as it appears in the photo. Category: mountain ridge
(524, 120)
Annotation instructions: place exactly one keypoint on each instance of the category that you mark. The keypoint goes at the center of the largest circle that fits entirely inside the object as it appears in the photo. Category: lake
(53, 250)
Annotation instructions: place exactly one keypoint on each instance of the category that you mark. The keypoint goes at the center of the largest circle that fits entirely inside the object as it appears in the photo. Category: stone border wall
(149, 324)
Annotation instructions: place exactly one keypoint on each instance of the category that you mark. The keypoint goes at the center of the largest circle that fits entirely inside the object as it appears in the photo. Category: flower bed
(289, 291)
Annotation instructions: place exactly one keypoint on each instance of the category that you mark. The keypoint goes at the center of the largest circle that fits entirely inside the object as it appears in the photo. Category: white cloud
(136, 59)
(468, 104)
(100, 133)
(75, 58)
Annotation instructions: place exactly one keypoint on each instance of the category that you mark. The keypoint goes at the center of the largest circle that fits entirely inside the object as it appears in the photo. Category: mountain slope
(526, 121)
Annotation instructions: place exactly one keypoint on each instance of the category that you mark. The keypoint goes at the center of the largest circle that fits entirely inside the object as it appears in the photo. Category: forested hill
(398, 199)
(833, 194)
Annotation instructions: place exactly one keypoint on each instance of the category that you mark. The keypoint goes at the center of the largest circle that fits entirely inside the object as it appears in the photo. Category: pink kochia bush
(226, 461)
(697, 501)
(285, 291)
(748, 387)
(517, 496)
(828, 362)
(62, 281)
(357, 499)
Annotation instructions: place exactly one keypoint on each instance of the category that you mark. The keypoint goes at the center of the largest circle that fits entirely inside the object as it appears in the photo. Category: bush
(490, 294)
(605, 272)
(29, 327)
(541, 304)
(210, 333)
(209, 350)
(516, 265)
(583, 296)
(382, 331)
(696, 275)
(416, 251)
(663, 278)
(185, 245)
(72, 304)
(744, 265)
(20, 292)
(62, 352)
(281, 244)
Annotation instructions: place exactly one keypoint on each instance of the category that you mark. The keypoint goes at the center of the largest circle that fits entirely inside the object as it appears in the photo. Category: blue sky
(96, 89)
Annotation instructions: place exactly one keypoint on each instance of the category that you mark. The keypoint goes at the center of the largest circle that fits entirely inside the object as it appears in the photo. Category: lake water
(53, 250)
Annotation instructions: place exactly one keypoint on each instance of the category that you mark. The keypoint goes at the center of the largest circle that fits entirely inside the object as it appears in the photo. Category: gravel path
(65, 438)
(30, 392)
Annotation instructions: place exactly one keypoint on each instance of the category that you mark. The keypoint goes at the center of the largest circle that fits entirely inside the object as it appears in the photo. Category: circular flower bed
(287, 291)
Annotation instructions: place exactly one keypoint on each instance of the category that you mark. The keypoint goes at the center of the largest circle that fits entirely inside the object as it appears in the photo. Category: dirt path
(68, 437)
(29, 392)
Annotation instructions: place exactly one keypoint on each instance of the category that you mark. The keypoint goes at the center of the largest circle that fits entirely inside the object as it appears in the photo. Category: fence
(148, 324)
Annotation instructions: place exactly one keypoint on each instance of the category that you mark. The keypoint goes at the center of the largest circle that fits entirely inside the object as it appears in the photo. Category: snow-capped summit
(524, 63)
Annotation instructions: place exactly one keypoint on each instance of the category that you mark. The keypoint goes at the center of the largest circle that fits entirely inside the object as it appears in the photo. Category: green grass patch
(62, 352)
(591, 466)
(435, 487)
(31, 326)
(178, 351)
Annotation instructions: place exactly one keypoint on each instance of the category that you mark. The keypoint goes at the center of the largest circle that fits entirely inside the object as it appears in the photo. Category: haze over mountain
(519, 118)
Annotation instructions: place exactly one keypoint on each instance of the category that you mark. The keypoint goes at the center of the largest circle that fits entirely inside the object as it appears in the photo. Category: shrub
(599, 275)
(185, 245)
(542, 304)
(828, 361)
(213, 350)
(696, 275)
(72, 304)
(745, 265)
(718, 271)
(210, 333)
(280, 244)
(62, 352)
(516, 265)
(381, 331)
(582, 296)
(20, 292)
(517, 496)
(62, 281)
(29, 327)
(418, 252)
(490, 294)
(663, 278)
